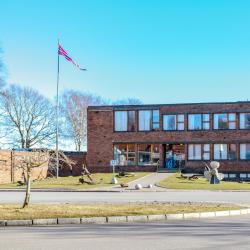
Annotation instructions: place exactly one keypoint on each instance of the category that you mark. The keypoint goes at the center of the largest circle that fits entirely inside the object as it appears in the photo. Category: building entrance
(174, 156)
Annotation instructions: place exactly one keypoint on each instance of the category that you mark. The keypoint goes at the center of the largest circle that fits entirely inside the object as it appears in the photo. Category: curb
(123, 219)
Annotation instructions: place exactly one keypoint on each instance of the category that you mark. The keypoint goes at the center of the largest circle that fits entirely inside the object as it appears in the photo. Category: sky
(169, 51)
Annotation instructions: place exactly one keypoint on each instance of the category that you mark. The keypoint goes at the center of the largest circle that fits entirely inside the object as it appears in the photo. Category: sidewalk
(153, 179)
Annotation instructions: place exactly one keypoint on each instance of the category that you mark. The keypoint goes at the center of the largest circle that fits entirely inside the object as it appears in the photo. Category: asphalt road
(119, 197)
(223, 233)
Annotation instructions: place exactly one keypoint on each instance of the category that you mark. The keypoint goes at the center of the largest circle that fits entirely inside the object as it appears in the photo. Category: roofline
(109, 107)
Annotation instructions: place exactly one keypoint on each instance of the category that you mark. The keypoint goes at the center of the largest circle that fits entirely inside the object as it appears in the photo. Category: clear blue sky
(159, 51)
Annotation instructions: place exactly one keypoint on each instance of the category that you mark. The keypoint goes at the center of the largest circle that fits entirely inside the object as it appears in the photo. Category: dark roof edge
(110, 107)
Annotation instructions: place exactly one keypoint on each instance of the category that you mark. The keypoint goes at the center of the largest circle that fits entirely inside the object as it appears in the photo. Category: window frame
(228, 121)
(151, 121)
(177, 122)
(241, 113)
(126, 153)
(203, 121)
(128, 122)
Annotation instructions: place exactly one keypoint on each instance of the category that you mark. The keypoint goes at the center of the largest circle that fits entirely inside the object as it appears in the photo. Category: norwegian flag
(63, 52)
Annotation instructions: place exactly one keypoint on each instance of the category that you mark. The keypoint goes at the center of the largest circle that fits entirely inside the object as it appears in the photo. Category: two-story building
(170, 136)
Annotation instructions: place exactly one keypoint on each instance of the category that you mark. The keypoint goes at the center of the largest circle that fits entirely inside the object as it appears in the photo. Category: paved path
(153, 179)
(128, 196)
(221, 234)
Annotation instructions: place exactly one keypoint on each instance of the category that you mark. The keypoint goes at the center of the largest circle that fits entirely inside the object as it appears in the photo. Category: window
(156, 119)
(225, 121)
(124, 154)
(194, 151)
(149, 120)
(124, 121)
(121, 121)
(243, 175)
(148, 154)
(198, 121)
(131, 120)
(206, 152)
(220, 151)
(173, 122)
(245, 151)
(244, 120)
(232, 152)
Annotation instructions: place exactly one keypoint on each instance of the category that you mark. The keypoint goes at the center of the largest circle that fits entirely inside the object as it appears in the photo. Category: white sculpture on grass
(211, 173)
(138, 186)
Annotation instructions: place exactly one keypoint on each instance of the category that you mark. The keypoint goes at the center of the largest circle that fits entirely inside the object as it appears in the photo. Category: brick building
(140, 137)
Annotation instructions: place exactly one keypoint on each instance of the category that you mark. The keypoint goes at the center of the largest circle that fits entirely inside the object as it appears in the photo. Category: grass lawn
(177, 182)
(8, 212)
(103, 180)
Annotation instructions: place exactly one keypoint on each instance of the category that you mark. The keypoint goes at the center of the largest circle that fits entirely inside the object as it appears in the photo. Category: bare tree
(128, 101)
(27, 117)
(27, 163)
(74, 106)
(1, 71)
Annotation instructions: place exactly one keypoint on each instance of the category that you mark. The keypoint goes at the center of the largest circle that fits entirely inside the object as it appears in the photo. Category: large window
(225, 121)
(124, 154)
(198, 122)
(224, 151)
(245, 151)
(194, 151)
(173, 122)
(244, 120)
(220, 151)
(148, 154)
(124, 121)
(149, 120)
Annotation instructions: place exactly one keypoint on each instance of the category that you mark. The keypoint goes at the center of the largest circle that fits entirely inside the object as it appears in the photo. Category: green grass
(15, 212)
(177, 182)
(102, 180)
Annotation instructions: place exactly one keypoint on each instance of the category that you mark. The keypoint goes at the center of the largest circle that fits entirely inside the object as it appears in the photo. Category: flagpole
(57, 114)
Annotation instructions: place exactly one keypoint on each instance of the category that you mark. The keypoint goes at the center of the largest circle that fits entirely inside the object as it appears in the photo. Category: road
(119, 197)
(223, 233)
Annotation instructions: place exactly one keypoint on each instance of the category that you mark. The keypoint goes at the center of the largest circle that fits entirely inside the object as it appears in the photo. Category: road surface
(231, 233)
(133, 196)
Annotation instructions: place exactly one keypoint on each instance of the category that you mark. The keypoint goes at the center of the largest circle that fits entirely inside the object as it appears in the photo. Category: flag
(63, 52)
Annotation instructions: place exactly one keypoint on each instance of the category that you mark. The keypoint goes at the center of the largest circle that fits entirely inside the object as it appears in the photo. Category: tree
(27, 117)
(74, 106)
(1, 72)
(27, 163)
(128, 101)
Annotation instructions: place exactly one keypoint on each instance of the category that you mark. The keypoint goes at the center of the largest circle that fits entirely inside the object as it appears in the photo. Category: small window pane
(205, 117)
(232, 152)
(194, 122)
(194, 152)
(169, 122)
(144, 120)
(232, 117)
(131, 120)
(206, 125)
(121, 121)
(180, 118)
(180, 126)
(245, 121)
(220, 151)
(232, 125)
(156, 119)
(245, 151)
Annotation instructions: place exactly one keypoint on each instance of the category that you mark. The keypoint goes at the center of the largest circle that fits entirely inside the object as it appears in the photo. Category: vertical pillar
(161, 151)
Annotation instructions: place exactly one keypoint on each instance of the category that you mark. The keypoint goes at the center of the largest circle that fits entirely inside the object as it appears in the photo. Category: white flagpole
(57, 114)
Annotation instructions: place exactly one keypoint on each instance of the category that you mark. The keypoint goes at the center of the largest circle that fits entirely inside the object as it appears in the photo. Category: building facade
(170, 136)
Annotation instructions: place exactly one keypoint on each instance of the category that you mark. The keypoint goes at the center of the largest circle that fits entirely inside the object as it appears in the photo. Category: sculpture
(211, 173)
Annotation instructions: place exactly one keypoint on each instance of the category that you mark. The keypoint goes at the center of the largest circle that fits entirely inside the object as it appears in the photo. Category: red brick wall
(101, 136)
(10, 170)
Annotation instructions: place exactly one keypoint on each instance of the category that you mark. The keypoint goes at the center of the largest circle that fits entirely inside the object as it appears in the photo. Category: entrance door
(174, 156)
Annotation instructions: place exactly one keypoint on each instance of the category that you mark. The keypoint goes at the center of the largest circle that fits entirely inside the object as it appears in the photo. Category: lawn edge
(124, 219)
